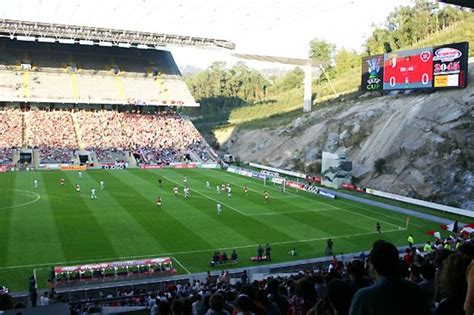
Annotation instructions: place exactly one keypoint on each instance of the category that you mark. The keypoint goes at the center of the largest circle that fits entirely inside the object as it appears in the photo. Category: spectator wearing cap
(390, 295)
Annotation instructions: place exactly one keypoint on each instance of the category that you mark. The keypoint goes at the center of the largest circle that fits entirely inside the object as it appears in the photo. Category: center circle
(17, 198)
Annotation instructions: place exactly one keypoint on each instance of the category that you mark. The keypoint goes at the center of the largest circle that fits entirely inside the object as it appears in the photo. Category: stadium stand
(434, 280)
(10, 133)
(79, 74)
(61, 87)
(159, 138)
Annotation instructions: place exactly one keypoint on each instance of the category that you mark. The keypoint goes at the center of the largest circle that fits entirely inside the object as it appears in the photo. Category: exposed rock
(427, 141)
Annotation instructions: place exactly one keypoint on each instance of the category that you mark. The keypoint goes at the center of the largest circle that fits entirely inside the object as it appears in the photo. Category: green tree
(292, 80)
(405, 26)
(321, 50)
(346, 60)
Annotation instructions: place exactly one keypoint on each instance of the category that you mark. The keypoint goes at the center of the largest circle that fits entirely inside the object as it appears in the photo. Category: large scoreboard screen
(424, 68)
(411, 69)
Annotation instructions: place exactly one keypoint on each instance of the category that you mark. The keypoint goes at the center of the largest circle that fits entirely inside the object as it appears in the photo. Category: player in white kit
(80, 174)
(187, 192)
(102, 185)
(35, 183)
(93, 193)
(208, 185)
(219, 208)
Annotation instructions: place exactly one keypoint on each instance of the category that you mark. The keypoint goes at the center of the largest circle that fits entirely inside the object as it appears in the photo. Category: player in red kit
(158, 202)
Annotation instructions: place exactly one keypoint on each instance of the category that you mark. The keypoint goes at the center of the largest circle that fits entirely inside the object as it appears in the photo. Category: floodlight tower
(307, 64)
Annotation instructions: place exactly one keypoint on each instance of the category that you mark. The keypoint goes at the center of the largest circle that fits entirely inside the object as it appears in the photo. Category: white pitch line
(353, 205)
(197, 251)
(179, 263)
(377, 213)
(289, 212)
(196, 191)
(38, 197)
(342, 209)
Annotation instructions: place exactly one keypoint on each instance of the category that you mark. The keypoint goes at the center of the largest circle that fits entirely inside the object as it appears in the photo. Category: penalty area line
(197, 251)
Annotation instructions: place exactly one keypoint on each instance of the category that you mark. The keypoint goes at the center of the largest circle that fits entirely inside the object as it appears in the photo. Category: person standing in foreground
(390, 295)
(411, 240)
(268, 252)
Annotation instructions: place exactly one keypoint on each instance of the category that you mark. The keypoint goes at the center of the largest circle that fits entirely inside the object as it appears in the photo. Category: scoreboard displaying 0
(411, 69)
(435, 67)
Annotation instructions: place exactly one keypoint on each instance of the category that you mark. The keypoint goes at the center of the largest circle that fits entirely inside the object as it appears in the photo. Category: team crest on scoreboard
(425, 56)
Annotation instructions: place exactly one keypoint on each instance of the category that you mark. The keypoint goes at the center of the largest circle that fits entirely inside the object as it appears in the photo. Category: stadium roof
(283, 60)
(51, 32)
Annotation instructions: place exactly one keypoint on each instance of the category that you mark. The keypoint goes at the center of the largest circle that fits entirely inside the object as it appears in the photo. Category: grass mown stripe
(7, 197)
(80, 234)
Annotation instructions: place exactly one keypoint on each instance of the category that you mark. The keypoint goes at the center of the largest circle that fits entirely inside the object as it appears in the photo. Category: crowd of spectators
(438, 281)
(10, 133)
(53, 133)
(159, 138)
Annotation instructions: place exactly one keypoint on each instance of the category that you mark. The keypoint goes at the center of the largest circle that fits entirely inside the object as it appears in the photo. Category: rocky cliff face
(427, 141)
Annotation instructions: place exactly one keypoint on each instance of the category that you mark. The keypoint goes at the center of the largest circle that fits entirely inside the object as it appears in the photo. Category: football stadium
(133, 181)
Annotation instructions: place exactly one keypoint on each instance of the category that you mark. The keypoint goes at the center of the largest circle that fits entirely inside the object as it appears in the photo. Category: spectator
(234, 256)
(339, 295)
(216, 304)
(198, 306)
(244, 278)
(6, 300)
(427, 284)
(273, 288)
(390, 294)
(44, 300)
(469, 302)
(243, 305)
(305, 297)
(454, 285)
(356, 273)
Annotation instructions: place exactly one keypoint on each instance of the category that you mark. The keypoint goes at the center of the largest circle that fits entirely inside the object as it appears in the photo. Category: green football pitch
(53, 225)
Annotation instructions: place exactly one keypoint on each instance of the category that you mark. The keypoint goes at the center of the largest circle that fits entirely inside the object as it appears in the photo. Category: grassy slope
(349, 82)
(64, 228)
